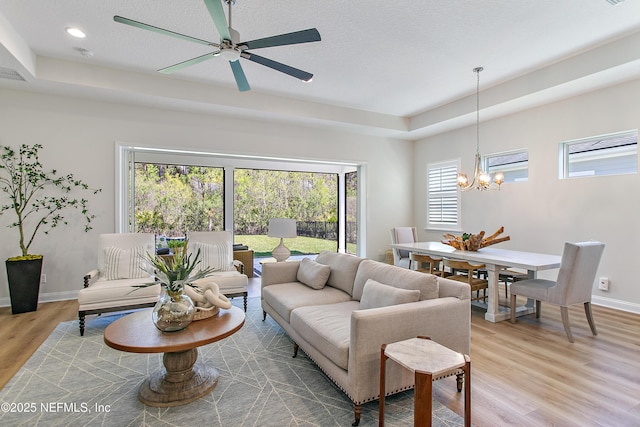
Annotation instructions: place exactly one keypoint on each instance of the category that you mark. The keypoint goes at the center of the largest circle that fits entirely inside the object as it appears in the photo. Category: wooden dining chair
(466, 272)
(433, 264)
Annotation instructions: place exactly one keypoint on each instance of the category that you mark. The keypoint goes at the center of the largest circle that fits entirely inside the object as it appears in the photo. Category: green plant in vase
(38, 199)
(175, 310)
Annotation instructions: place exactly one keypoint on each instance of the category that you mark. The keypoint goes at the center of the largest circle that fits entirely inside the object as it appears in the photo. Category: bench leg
(422, 401)
(383, 388)
(467, 391)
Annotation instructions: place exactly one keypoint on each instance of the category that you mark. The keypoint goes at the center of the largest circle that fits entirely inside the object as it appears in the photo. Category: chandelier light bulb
(484, 179)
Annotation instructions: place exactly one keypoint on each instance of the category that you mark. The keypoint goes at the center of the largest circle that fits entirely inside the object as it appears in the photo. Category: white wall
(543, 213)
(79, 137)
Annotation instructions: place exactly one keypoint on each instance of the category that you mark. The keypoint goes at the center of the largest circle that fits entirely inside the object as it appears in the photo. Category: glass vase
(173, 312)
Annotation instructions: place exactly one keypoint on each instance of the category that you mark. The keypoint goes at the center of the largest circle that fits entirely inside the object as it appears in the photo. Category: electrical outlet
(43, 278)
(603, 284)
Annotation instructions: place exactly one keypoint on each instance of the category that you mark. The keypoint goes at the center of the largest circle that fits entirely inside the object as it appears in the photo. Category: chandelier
(481, 179)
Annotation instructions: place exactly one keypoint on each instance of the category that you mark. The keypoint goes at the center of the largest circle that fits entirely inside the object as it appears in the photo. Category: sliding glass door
(171, 192)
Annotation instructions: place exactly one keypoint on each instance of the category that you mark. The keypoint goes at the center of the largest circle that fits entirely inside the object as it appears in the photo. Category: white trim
(615, 304)
(46, 297)
(342, 241)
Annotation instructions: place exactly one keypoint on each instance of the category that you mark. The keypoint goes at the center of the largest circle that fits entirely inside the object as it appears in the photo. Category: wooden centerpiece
(473, 242)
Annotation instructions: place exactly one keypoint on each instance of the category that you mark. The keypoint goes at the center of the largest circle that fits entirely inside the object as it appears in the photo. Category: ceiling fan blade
(219, 19)
(294, 72)
(241, 79)
(188, 63)
(304, 36)
(159, 30)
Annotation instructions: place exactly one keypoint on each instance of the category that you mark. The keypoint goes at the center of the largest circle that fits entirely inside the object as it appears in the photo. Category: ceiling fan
(231, 48)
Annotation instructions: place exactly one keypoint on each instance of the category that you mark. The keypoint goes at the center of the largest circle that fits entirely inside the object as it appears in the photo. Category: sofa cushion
(343, 269)
(124, 263)
(313, 274)
(376, 294)
(397, 277)
(327, 328)
(285, 297)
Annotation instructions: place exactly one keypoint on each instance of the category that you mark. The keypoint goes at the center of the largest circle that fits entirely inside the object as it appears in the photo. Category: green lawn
(263, 245)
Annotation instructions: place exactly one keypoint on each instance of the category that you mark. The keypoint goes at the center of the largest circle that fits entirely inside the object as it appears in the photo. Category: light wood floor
(526, 374)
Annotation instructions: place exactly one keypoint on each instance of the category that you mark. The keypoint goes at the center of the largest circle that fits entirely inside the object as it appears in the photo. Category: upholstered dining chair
(463, 271)
(121, 266)
(433, 264)
(574, 283)
(216, 249)
(402, 235)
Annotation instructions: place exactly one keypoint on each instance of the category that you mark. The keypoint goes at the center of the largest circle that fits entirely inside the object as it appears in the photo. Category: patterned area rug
(79, 381)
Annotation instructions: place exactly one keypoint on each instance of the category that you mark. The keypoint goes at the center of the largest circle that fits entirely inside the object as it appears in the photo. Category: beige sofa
(336, 309)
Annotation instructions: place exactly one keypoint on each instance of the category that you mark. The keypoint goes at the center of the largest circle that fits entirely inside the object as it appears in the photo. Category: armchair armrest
(90, 275)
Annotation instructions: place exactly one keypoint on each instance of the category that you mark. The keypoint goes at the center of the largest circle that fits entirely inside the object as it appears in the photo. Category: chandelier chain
(477, 70)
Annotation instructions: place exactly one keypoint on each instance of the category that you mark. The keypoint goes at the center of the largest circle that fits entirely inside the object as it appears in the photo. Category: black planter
(24, 284)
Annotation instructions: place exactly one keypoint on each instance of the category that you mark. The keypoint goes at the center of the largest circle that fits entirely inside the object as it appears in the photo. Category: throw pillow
(313, 274)
(125, 263)
(376, 294)
(217, 255)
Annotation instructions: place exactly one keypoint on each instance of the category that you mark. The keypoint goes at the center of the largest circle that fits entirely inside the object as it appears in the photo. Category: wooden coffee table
(183, 379)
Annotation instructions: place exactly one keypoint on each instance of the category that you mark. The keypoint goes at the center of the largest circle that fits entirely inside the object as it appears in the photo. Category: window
(514, 165)
(171, 199)
(309, 197)
(171, 191)
(443, 197)
(613, 154)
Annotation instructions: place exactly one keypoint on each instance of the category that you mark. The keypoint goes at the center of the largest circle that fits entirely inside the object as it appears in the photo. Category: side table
(246, 257)
(427, 360)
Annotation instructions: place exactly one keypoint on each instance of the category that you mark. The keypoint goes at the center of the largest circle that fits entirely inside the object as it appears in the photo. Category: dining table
(495, 260)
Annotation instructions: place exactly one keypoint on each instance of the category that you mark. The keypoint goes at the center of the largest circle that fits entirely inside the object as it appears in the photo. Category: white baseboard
(46, 297)
(616, 304)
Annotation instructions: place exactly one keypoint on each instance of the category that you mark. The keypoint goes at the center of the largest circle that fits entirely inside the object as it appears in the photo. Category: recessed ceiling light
(76, 32)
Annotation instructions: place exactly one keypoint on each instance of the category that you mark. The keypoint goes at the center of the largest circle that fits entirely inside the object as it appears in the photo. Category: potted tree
(38, 199)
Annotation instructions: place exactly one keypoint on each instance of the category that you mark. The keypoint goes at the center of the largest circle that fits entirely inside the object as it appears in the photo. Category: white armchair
(216, 250)
(402, 235)
(574, 285)
(120, 266)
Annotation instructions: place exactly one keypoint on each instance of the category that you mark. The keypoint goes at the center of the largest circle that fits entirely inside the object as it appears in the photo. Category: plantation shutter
(443, 198)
